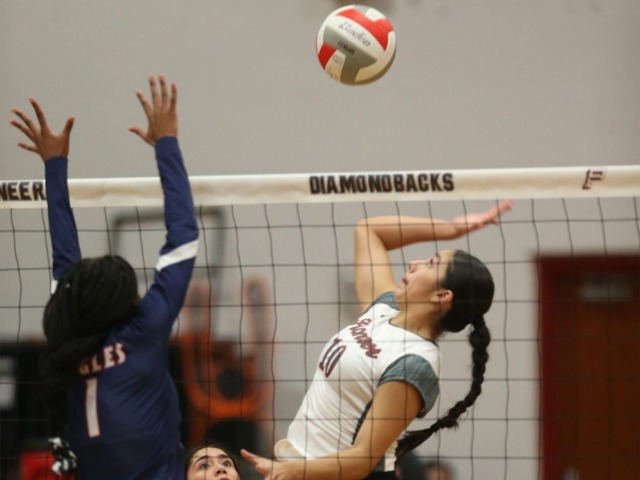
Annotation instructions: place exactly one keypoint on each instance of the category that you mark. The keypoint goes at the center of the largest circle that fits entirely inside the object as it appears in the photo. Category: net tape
(560, 182)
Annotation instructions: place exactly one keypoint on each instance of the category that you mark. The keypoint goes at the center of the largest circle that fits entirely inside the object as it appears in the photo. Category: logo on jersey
(360, 335)
(109, 357)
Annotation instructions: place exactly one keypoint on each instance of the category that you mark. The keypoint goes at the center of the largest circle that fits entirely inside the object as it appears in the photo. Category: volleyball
(356, 45)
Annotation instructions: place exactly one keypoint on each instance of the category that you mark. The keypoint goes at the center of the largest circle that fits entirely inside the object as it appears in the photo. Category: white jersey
(358, 359)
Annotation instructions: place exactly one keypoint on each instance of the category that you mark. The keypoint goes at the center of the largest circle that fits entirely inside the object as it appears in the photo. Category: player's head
(472, 288)
(94, 295)
(457, 283)
(211, 461)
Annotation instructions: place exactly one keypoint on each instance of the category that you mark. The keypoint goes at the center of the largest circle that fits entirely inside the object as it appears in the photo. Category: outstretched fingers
(163, 92)
(27, 128)
(505, 206)
(496, 212)
(169, 99)
(174, 98)
(69, 125)
(46, 143)
(160, 111)
(138, 131)
(39, 114)
(22, 128)
(30, 148)
(148, 111)
(155, 97)
(474, 221)
(66, 134)
(146, 106)
(27, 125)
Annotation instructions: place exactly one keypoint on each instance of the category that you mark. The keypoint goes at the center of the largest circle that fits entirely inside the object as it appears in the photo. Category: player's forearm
(178, 202)
(346, 465)
(398, 231)
(62, 225)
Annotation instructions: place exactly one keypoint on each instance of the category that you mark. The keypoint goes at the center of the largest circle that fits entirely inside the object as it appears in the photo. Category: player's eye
(227, 463)
(204, 466)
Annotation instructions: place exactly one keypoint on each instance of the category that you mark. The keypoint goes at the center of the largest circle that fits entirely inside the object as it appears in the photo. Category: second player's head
(93, 296)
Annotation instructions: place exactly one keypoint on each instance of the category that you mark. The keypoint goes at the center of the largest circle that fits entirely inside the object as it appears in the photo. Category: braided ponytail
(92, 297)
(472, 286)
(479, 338)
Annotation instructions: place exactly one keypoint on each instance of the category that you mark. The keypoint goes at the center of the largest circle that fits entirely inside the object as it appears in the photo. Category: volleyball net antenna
(274, 280)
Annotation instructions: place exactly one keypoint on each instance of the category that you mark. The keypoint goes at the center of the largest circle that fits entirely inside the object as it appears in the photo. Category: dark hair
(93, 296)
(188, 458)
(472, 285)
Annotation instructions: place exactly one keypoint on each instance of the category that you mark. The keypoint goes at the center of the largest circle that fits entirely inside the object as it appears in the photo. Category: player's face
(211, 464)
(424, 277)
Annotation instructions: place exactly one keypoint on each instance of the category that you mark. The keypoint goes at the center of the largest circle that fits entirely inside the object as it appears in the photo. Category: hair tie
(478, 322)
(65, 460)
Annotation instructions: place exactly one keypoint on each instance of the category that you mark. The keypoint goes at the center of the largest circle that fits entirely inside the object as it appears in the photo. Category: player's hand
(161, 112)
(269, 469)
(474, 221)
(44, 142)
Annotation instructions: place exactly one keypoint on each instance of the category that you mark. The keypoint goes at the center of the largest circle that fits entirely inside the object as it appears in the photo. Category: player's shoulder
(386, 299)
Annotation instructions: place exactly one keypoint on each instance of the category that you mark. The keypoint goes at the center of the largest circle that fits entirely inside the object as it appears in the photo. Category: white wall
(493, 83)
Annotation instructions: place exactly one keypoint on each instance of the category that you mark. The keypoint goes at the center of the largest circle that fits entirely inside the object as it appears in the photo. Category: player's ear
(442, 295)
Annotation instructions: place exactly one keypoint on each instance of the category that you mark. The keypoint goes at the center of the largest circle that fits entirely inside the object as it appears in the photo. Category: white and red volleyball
(356, 45)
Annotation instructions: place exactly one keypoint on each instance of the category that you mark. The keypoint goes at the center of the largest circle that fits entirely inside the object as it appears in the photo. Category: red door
(590, 367)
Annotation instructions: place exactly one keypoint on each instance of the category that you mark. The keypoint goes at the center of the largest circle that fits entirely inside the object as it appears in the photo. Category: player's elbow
(362, 230)
(194, 233)
(356, 470)
(189, 229)
(358, 463)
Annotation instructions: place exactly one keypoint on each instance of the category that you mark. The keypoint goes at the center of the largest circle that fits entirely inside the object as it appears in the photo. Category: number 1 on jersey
(91, 407)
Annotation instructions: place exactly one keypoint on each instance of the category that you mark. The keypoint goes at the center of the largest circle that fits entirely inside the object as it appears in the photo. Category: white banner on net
(560, 182)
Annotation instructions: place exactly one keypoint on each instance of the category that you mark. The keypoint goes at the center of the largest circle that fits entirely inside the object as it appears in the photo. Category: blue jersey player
(112, 407)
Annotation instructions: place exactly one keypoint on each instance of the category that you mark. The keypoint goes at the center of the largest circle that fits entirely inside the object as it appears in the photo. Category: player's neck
(418, 322)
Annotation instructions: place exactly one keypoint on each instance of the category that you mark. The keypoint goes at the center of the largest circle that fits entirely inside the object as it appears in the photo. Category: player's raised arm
(374, 237)
(177, 256)
(104, 342)
(53, 149)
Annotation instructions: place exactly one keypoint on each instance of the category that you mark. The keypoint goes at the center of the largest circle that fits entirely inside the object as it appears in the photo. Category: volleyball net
(274, 280)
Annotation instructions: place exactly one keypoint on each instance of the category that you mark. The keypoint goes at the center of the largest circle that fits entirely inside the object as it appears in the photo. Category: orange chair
(221, 384)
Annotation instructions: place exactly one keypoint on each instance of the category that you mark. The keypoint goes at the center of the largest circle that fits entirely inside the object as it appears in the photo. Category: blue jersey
(124, 418)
